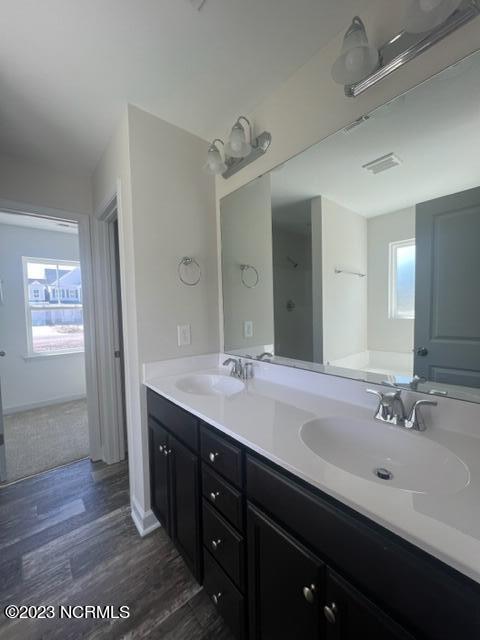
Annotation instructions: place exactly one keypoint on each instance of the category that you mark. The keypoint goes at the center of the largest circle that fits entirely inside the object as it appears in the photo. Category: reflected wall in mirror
(367, 246)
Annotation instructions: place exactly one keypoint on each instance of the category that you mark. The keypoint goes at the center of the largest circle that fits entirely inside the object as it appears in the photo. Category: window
(402, 280)
(53, 326)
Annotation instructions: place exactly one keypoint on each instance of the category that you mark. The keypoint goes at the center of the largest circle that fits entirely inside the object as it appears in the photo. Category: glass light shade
(237, 145)
(215, 164)
(357, 59)
(425, 15)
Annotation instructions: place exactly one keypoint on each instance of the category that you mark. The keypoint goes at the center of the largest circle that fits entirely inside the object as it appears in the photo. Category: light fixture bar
(411, 47)
(259, 148)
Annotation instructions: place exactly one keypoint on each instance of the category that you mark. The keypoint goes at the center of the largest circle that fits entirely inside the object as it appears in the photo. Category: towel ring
(247, 267)
(189, 262)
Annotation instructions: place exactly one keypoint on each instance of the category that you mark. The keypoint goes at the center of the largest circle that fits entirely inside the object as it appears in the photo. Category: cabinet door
(350, 616)
(285, 582)
(185, 501)
(159, 473)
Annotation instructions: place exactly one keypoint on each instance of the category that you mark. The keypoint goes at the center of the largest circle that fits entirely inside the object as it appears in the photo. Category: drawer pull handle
(309, 593)
(331, 613)
(214, 495)
(216, 543)
(216, 597)
(212, 456)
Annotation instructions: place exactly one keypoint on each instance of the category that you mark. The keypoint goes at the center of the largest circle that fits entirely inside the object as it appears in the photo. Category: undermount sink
(387, 454)
(205, 384)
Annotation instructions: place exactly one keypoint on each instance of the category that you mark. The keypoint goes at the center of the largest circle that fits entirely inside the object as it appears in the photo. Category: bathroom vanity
(279, 536)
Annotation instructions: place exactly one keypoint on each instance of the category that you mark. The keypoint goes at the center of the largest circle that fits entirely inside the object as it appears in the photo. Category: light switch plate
(248, 329)
(183, 335)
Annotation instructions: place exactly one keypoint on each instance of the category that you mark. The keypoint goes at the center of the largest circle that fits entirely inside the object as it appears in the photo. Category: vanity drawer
(225, 457)
(179, 422)
(226, 597)
(418, 590)
(223, 496)
(225, 544)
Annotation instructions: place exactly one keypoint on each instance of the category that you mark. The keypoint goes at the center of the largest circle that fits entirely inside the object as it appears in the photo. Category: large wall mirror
(361, 256)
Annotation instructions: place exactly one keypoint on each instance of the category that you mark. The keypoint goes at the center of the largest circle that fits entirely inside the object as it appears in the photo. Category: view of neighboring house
(64, 289)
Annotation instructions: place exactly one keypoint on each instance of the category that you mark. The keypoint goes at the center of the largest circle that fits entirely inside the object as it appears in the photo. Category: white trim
(53, 354)
(42, 405)
(111, 411)
(145, 521)
(84, 239)
(392, 283)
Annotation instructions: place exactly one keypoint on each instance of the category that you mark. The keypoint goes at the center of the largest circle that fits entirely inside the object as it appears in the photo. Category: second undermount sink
(386, 454)
(206, 384)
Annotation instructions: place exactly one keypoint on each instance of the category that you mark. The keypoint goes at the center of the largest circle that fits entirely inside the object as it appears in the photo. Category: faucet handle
(415, 418)
(389, 395)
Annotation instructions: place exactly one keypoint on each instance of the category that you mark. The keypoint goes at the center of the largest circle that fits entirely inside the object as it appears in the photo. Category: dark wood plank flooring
(67, 538)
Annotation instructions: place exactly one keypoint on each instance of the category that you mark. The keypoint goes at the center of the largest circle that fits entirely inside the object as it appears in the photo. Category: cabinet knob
(214, 495)
(167, 452)
(161, 447)
(331, 613)
(422, 351)
(216, 597)
(212, 456)
(216, 543)
(309, 593)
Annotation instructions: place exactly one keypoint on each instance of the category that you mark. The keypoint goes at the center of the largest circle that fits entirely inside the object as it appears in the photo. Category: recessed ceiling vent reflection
(384, 163)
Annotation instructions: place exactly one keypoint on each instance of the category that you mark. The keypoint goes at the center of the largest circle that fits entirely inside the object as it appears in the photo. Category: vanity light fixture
(238, 146)
(358, 58)
(241, 149)
(426, 23)
(215, 164)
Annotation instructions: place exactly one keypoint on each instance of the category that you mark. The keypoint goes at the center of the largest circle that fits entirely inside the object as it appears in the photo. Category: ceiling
(434, 130)
(36, 222)
(68, 67)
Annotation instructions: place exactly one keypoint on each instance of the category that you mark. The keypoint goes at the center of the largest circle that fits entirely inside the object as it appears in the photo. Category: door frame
(112, 414)
(85, 249)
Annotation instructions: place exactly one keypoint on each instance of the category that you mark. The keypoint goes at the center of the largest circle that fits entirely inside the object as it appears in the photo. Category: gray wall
(38, 380)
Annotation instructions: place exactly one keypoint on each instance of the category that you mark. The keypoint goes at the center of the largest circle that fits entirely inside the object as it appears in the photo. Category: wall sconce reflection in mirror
(249, 276)
(189, 271)
(360, 65)
(241, 149)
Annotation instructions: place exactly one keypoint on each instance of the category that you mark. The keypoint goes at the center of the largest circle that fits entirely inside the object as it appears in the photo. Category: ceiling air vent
(382, 164)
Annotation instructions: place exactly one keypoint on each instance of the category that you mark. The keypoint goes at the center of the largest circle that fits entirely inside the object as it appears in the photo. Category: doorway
(44, 419)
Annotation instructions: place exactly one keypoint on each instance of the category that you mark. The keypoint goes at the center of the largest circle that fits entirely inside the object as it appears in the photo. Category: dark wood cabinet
(286, 592)
(159, 473)
(175, 493)
(349, 615)
(185, 503)
(282, 559)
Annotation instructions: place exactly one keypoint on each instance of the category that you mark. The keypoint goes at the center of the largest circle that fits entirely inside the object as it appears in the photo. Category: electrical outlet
(248, 329)
(183, 335)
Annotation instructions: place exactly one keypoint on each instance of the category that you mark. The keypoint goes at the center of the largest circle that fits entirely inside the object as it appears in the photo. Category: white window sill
(58, 354)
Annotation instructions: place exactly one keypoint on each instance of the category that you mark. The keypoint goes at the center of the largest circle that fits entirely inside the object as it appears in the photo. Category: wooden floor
(67, 538)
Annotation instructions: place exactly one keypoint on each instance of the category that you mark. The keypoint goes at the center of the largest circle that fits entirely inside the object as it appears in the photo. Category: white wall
(166, 211)
(37, 381)
(317, 279)
(384, 333)
(344, 245)
(246, 226)
(29, 183)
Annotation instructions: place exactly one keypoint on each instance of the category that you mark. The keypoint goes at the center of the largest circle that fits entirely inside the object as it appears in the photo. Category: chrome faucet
(392, 410)
(243, 371)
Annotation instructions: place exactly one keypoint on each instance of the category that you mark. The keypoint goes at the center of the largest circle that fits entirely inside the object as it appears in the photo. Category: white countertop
(267, 417)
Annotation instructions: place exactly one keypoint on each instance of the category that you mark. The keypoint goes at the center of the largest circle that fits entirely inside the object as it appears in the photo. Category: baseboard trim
(43, 404)
(145, 521)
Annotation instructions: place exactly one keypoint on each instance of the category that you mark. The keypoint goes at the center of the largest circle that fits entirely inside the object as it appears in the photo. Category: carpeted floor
(45, 438)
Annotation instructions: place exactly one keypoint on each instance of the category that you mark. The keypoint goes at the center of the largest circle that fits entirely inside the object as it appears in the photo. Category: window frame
(31, 353)
(392, 280)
